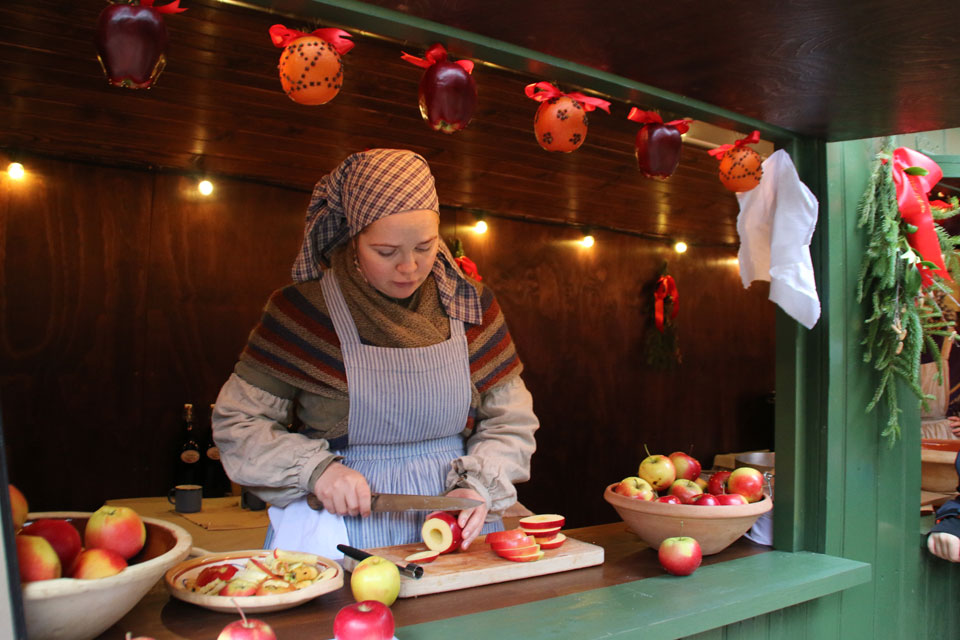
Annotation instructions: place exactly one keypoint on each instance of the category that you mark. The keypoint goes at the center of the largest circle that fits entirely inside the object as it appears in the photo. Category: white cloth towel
(297, 527)
(776, 224)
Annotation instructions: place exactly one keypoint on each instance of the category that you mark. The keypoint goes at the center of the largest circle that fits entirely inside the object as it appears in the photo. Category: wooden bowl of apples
(714, 527)
(69, 608)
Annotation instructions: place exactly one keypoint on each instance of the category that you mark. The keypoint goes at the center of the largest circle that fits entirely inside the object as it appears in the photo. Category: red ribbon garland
(338, 38)
(543, 91)
(666, 286)
(468, 266)
(436, 54)
(914, 205)
(652, 117)
(173, 7)
(719, 152)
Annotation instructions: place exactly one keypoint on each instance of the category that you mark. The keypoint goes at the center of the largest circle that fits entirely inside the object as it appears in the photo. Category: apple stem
(645, 448)
(242, 617)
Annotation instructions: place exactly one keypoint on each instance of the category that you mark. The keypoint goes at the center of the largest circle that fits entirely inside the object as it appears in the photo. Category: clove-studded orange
(741, 169)
(311, 71)
(560, 124)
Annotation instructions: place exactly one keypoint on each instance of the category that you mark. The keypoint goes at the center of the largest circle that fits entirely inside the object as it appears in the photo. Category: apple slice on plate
(423, 556)
(552, 543)
(543, 521)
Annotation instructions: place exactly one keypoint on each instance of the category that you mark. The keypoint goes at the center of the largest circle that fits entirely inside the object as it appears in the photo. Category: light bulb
(205, 187)
(680, 247)
(480, 227)
(587, 241)
(16, 171)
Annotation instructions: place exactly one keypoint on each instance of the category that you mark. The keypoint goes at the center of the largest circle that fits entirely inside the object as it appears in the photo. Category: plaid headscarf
(368, 186)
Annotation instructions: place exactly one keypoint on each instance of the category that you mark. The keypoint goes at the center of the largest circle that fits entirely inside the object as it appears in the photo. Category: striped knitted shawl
(296, 342)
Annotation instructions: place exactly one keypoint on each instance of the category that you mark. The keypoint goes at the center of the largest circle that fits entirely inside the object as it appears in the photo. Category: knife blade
(411, 570)
(404, 502)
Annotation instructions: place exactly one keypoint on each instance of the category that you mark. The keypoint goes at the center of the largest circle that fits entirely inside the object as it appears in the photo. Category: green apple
(375, 578)
(658, 471)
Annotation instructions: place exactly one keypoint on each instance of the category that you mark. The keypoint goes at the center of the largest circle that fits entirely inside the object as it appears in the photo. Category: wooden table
(627, 559)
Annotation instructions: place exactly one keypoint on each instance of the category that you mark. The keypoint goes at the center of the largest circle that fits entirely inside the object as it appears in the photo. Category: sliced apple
(239, 587)
(441, 532)
(528, 558)
(500, 536)
(525, 541)
(552, 543)
(422, 557)
(292, 557)
(521, 551)
(543, 533)
(273, 587)
(543, 521)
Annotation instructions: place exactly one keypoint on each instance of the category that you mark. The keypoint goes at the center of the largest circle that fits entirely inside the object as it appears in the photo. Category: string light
(16, 171)
(587, 240)
(205, 187)
(480, 226)
(680, 246)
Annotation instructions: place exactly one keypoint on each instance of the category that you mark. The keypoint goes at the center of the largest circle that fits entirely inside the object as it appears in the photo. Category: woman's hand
(944, 545)
(470, 520)
(343, 491)
(954, 423)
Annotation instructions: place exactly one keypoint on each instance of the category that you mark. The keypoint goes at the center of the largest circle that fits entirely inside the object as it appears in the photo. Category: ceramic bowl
(715, 528)
(69, 609)
(937, 470)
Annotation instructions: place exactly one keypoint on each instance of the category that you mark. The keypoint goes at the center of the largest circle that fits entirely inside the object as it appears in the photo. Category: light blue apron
(408, 408)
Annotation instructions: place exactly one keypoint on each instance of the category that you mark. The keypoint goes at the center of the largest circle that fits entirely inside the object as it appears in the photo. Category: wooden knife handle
(314, 502)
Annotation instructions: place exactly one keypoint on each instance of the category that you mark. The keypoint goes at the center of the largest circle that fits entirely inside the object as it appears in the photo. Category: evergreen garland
(902, 319)
(661, 348)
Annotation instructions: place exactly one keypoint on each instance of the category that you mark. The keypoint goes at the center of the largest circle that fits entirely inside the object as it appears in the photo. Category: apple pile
(50, 548)
(676, 479)
(271, 573)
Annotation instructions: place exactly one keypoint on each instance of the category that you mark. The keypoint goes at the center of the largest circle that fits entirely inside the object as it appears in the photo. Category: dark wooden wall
(123, 295)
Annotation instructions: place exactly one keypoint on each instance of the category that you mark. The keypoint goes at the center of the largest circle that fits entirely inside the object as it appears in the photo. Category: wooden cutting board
(479, 565)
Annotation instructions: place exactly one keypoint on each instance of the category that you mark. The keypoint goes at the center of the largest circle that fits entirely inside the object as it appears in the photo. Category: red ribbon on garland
(914, 175)
(338, 38)
(543, 91)
(652, 117)
(436, 54)
(666, 286)
(173, 7)
(719, 152)
(469, 267)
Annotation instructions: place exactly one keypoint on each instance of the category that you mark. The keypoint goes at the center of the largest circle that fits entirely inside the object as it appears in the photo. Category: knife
(403, 502)
(411, 570)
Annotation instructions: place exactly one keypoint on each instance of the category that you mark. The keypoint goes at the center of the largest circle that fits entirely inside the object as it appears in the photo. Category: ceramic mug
(186, 498)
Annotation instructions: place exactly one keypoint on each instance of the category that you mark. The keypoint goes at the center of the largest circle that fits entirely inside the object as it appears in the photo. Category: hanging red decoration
(740, 166)
(311, 69)
(131, 42)
(448, 92)
(658, 143)
(666, 288)
(561, 121)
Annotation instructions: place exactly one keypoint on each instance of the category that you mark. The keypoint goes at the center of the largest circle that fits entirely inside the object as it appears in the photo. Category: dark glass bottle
(188, 463)
(216, 484)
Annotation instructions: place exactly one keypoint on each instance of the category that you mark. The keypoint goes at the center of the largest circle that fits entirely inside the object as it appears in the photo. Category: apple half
(552, 543)
(422, 556)
(441, 532)
(543, 521)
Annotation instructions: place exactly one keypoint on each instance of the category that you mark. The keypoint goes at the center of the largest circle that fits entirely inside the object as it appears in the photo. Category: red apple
(217, 572)
(701, 482)
(92, 564)
(634, 487)
(448, 92)
(18, 507)
(554, 542)
(61, 535)
(717, 483)
(680, 555)
(686, 465)
(247, 629)
(686, 490)
(375, 578)
(658, 471)
(657, 149)
(422, 557)
(705, 500)
(513, 543)
(131, 40)
(441, 532)
(500, 536)
(542, 521)
(731, 499)
(746, 481)
(367, 620)
(37, 559)
(118, 529)
(669, 499)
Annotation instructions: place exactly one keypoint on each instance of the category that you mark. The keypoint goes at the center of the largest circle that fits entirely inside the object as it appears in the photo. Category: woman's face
(396, 253)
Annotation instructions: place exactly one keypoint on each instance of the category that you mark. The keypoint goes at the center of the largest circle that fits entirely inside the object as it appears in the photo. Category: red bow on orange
(753, 138)
(652, 117)
(436, 54)
(666, 286)
(469, 267)
(543, 91)
(338, 38)
(173, 7)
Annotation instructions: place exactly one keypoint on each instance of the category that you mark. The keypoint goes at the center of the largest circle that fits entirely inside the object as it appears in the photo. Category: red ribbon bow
(543, 91)
(652, 117)
(915, 209)
(753, 138)
(666, 286)
(173, 7)
(436, 54)
(468, 266)
(338, 38)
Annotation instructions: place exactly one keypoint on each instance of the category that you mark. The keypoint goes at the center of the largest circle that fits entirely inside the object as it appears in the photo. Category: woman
(399, 371)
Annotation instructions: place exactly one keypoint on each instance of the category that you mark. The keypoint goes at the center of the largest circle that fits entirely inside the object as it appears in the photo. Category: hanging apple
(311, 68)
(740, 166)
(131, 42)
(560, 123)
(658, 143)
(448, 92)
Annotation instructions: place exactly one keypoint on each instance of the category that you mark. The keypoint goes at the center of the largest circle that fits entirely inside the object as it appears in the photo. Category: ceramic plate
(178, 577)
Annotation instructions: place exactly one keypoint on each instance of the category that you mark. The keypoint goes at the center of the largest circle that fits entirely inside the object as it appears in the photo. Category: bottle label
(190, 456)
(213, 453)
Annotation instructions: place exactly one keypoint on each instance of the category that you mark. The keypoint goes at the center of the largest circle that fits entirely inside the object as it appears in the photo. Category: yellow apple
(375, 578)
(118, 529)
(37, 559)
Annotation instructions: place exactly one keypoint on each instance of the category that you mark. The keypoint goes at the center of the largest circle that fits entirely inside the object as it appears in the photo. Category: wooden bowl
(70, 609)
(715, 528)
(937, 465)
